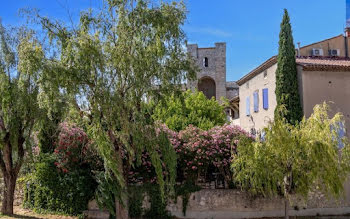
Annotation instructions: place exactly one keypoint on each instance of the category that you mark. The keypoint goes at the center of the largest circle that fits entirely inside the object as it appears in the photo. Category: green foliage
(114, 60)
(158, 206)
(19, 68)
(48, 133)
(51, 190)
(20, 65)
(136, 197)
(287, 90)
(185, 191)
(295, 159)
(107, 189)
(180, 111)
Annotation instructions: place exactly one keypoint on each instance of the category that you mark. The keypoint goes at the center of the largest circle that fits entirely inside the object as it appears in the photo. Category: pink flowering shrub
(73, 148)
(198, 152)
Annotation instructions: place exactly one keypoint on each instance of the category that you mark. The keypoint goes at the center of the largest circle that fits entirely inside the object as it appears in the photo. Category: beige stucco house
(320, 79)
(337, 46)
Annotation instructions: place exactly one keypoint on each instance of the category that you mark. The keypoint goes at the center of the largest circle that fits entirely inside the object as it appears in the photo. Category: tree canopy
(188, 108)
(20, 65)
(110, 65)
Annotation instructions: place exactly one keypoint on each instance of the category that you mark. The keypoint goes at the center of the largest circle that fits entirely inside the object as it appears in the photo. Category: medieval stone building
(211, 77)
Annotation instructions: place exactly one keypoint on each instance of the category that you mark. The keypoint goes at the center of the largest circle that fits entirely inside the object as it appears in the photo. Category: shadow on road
(23, 216)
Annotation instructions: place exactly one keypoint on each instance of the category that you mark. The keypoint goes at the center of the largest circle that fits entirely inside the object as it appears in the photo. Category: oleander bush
(197, 151)
(63, 181)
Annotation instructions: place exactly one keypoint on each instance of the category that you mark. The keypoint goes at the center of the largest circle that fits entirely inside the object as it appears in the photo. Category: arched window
(208, 87)
(205, 62)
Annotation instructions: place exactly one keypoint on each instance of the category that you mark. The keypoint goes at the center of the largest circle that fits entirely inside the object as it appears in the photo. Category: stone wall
(229, 204)
(222, 204)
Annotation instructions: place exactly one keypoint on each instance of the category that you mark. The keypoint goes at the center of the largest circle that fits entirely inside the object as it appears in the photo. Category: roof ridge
(268, 63)
(323, 58)
(322, 41)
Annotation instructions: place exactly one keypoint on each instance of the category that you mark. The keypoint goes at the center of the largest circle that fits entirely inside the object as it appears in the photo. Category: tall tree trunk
(122, 210)
(286, 208)
(9, 191)
(10, 171)
(287, 189)
(121, 206)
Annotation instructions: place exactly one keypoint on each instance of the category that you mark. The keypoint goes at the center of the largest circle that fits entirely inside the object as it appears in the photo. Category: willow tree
(20, 64)
(110, 65)
(296, 159)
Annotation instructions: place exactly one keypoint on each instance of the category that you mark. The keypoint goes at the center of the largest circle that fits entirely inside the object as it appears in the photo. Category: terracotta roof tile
(324, 63)
(308, 64)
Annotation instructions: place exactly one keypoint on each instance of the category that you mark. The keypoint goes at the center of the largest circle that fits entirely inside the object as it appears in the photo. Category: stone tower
(211, 78)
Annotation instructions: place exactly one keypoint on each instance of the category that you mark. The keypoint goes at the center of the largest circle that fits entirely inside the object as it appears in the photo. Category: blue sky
(250, 27)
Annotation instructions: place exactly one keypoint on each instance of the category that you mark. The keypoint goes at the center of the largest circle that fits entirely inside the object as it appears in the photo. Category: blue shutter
(247, 110)
(265, 98)
(256, 101)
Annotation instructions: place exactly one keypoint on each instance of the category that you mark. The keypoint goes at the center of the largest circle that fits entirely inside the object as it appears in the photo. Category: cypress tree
(287, 93)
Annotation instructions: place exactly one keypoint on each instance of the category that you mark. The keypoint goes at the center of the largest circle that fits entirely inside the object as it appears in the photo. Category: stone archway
(207, 86)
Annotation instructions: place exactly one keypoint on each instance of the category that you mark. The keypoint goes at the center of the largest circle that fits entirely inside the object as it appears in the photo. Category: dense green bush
(52, 190)
(188, 108)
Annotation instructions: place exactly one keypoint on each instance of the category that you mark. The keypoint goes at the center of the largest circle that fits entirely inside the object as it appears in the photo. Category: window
(205, 62)
(247, 85)
(265, 74)
(256, 101)
(265, 98)
(248, 106)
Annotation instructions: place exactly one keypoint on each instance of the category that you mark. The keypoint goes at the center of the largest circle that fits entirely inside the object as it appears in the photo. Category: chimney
(347, 18)
(347, 28)
(347, 31)
(298, 49)
(346, 46)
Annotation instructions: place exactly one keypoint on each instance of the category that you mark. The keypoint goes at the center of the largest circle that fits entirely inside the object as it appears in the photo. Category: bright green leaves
(7, 55)
(177, 112)
(20, 63)
(295, 159)
(30, 56)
